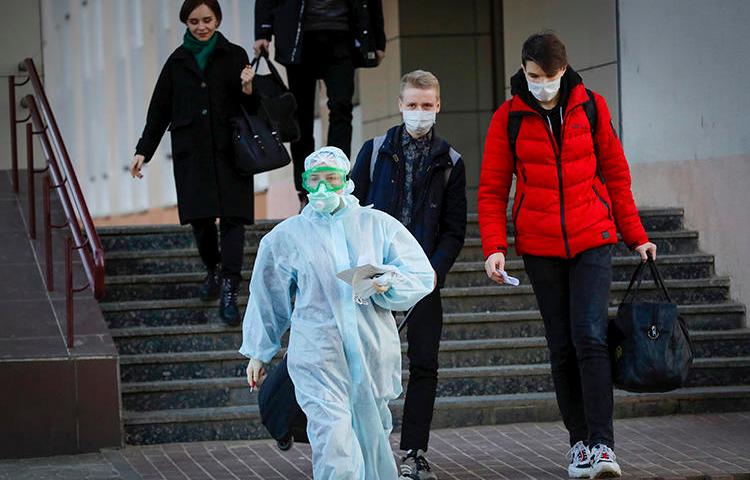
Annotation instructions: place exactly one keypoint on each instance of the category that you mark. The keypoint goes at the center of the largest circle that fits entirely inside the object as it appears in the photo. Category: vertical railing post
(48, 234)
(13, 132)
(30, 179)
(69, 289)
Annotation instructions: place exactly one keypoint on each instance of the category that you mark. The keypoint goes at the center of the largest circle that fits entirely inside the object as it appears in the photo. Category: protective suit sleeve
(269, 307)
(413, 277)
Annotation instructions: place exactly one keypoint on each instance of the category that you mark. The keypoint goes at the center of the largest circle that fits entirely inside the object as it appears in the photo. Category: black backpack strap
(589, 107)
(514, 126)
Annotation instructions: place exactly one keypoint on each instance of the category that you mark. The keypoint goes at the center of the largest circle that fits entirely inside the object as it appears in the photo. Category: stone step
(528, 323)
(495, 297)
(184, 260)
(159, 237)
(217, 336)
(667, 242)
(468, 381)
(686, 266)
(156, 286)
(491, 298)
(147, 367)
(174, 260)
(164, 237)
(242, 423)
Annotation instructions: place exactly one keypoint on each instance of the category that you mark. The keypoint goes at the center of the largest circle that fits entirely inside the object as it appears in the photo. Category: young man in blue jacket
(418, 178)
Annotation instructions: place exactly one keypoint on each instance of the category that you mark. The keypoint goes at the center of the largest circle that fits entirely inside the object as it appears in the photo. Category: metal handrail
(95, 270)
(60, 176)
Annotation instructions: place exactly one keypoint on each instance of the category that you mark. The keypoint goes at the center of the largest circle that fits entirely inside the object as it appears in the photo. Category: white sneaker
(604, 463)
(415, 467)
(579, 460)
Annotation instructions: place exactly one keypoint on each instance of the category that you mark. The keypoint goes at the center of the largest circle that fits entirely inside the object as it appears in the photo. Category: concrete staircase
(183, 380)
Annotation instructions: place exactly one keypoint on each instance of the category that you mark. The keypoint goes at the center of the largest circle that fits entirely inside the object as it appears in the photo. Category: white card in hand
(507, 279)
(360, 272)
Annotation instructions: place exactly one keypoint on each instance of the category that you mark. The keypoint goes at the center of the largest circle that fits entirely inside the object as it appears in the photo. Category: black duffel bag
(279, 411)
(257, 148)
(649, 341)
(278, 106)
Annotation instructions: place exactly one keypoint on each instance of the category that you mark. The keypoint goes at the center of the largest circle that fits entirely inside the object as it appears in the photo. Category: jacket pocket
(179, 123)
(604, 202)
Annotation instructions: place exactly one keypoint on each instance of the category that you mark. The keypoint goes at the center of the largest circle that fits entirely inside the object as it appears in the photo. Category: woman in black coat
(202, 86)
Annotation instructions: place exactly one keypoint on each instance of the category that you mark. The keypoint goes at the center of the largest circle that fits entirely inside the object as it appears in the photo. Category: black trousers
(423, 333)
(232, 244)
(573, 296)
(326, 55)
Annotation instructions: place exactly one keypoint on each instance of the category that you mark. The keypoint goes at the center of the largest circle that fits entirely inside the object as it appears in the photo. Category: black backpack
(514, 123)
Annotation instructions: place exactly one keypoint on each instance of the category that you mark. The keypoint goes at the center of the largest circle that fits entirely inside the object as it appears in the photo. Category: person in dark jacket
(202, 85)
(572, 197)
(418, 178)
(321, 39)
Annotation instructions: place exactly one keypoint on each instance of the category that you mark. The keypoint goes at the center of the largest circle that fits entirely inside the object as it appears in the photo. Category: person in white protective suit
(344, 356)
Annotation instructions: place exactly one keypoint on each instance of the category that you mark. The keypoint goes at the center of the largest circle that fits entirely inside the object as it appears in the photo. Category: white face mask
(418, 122)
(544, 92)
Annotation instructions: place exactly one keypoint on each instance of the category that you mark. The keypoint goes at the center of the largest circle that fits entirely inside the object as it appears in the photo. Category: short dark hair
(547, 50)
(189, 5)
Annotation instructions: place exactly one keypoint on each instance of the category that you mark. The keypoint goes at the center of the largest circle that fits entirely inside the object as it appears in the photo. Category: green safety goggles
(333, 178)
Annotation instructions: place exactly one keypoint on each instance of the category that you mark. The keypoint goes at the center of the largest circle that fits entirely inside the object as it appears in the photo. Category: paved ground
(685, 447)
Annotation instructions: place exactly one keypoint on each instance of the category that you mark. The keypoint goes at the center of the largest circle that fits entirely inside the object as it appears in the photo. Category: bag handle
(658, 279)
(264, 55)
(637, 279)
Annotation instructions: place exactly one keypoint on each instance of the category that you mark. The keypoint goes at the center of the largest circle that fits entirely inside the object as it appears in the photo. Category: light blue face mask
(324, 200)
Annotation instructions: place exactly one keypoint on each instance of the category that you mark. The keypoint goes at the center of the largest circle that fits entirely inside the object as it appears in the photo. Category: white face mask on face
(544, 92)
(418, 122)
(324, 200)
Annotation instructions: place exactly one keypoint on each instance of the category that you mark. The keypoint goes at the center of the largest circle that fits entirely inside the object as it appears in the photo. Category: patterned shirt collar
(421, 142)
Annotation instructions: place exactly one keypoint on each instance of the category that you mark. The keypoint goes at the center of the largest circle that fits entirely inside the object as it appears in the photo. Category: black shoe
(211, 288)
(228, 310)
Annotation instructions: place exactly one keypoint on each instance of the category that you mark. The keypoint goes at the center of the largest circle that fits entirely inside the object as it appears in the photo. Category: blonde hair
(420, 79)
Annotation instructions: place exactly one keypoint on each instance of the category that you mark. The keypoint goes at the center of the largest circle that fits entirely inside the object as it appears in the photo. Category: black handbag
(649, 341)
(278, 107)
(279, 411)
(257, 148)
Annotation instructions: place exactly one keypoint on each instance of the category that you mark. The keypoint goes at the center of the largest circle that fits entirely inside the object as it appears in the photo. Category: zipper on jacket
(558, 160)
(558, 157)
(601, 199)
(427, 182)
(299, 29)
(518, 209)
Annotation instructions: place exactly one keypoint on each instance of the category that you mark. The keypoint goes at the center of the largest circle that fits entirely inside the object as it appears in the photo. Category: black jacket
(282, 19)
(197, 107)
(439, 223)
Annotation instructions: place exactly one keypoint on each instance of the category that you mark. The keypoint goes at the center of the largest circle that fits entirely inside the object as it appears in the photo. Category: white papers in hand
(360, 278)
(507, 279)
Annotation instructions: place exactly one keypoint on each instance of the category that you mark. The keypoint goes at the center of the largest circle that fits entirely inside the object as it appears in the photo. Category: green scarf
(201, 50)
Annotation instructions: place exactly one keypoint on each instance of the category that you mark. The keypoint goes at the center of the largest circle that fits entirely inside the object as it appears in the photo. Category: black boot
(228, 310)
(210, 289)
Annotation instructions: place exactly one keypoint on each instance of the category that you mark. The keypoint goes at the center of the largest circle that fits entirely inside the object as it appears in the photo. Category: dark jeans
(232, 244)
(573, 296)
(423, 333)
(325, 55)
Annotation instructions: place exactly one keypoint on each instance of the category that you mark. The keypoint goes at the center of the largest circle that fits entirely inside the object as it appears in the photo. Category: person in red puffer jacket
(572, 197)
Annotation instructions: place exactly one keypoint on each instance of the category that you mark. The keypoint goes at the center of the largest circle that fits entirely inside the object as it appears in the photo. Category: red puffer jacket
(563, 204)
